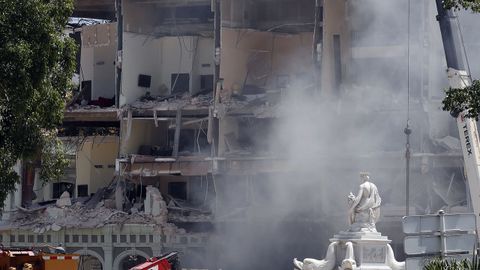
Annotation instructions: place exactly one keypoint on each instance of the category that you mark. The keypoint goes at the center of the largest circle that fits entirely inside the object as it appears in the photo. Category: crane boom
(459, 78)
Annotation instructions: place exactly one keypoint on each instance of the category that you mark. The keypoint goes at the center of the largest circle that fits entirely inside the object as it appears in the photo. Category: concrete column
(108, 251)
(6, 238)
(47, 192)
(37, 187)
(17, 195)
(7, 207)
(108, 248)
(157, 246)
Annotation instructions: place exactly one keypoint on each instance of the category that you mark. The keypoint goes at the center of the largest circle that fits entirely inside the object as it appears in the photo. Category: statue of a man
(365, 207)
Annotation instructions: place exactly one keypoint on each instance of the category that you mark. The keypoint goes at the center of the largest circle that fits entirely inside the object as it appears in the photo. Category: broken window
(180, 83)
(82, 190)
(206, 83)
(144, 80)
(60, 187)
(289, 15)
(191, 141)
(251, 132)
(178, 190)
(86, 91)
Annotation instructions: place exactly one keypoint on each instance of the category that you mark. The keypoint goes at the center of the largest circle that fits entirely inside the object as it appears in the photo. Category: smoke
(469, 25)
(327, 139)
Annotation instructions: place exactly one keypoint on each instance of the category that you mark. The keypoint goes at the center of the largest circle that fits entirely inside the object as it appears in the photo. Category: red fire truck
(165, 262)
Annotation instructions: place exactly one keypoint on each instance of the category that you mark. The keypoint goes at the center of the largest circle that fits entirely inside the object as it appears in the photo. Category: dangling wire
(463, 46)
(407, 129)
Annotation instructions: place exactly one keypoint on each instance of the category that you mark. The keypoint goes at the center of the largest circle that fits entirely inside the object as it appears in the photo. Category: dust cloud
(328, 137)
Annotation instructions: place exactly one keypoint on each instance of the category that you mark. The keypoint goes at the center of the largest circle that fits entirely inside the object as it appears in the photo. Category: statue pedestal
(370, 249)
(361, 247)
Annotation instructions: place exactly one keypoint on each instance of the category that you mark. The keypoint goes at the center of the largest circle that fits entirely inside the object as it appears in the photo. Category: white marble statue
(349, 262)
(364, 209)
(392, 262)
(313, 264)
(361, 247)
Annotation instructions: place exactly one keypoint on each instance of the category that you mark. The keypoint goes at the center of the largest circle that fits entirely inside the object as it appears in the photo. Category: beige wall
(139, 18)
(100, 151)
(143, 132)
(266, 55)
(98, 53)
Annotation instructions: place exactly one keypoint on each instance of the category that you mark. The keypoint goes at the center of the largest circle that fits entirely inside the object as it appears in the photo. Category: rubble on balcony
(102, 109)
(258, 105)
(181, 211)
(171, 102)
(94, 212)
(182, 165)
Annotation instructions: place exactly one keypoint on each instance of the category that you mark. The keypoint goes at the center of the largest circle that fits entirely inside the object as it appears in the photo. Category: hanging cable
(407, 129)
(463, 47)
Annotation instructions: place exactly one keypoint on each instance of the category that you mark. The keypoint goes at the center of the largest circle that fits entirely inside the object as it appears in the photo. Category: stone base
(370, 249)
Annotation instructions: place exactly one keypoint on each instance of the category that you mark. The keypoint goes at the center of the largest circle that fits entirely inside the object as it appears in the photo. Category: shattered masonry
(171, 130)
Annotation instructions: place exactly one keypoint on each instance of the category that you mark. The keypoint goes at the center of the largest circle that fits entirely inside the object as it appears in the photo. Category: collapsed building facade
(174, 132)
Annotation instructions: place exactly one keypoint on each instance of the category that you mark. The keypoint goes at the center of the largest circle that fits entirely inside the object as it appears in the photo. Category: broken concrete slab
(449, 143)
(64, 200)
(109, 203)
(154, 203)
(56, 227)
(55, 212)
(119, 195)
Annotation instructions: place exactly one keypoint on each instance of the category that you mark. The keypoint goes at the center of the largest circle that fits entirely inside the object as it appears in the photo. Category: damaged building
(210, 127)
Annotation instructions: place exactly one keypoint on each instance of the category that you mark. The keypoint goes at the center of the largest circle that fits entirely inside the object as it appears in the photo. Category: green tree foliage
(472, 263)
(448, 264)
(458, 100)
(467, 99)
(37, 62)
(474, 5)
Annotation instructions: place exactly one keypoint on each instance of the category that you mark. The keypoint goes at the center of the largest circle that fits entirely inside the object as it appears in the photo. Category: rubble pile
(172, 102)
(261, 105)
(64, 215)
(79, 108)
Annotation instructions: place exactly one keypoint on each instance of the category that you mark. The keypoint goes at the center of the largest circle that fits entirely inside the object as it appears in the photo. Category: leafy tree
(467, 99)
(37, 62)
(458, 100)
(465, 4)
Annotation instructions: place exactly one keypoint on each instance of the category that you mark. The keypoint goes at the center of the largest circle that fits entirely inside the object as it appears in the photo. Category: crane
(459, 78)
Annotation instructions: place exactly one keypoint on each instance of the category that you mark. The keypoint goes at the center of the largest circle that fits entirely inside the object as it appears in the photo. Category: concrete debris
(80, 108)
(172, 102)
(78, 216)
(109, 203)
(100, 210)
(64, 200)
(56, 227)
(119, 197)
(449, 143)
(189, 217)
(55, 212)
(259, 105)
(155, 205)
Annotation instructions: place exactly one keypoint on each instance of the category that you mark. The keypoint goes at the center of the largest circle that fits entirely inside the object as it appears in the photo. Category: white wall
(140, 56)
(86, 64)
(159, 58)
(13, 199)
(97, 61)
(104, 72)
(179, 53)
